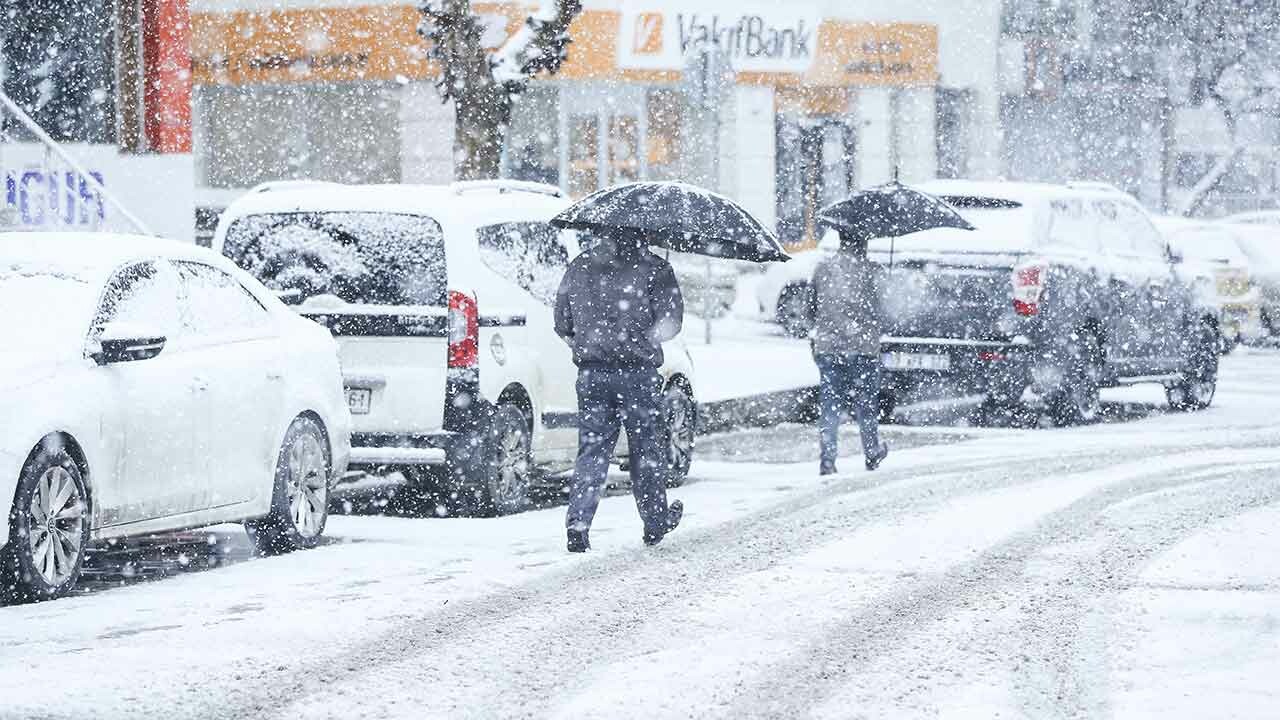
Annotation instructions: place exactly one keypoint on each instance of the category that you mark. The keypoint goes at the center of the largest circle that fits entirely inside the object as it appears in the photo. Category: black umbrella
(889, 211)
(676, 216)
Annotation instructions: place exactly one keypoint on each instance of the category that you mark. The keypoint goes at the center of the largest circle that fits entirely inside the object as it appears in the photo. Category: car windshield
(360, 257)
(53, 308)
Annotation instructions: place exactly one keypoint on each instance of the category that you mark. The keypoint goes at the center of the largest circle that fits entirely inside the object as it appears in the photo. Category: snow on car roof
(459, 203)
(96, 253)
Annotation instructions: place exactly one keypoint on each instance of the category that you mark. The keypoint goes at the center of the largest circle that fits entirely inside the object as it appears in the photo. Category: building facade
(798, 103)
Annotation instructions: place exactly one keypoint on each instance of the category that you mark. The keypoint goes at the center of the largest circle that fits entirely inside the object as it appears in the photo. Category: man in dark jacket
(848, 323)
(616, 305)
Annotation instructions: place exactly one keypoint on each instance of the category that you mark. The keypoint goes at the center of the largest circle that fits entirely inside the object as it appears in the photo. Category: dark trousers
(851, 381)
(610, 399)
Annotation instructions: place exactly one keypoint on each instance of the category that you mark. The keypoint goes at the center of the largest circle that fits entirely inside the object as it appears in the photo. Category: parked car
(784, 292)
(1261, 242)
(1061, 289)
(152, 386)
(1219, 270)
(441, 300)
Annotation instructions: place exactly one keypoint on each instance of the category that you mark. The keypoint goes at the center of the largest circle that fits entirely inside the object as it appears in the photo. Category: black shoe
(874, 461)
(674, 514)
(827, 469)
(578, 541)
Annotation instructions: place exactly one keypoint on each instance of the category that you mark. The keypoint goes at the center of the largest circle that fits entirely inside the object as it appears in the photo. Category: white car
(1219, 270)
(784, 294)
(441, 298)
(152, 386)
(1260, 240)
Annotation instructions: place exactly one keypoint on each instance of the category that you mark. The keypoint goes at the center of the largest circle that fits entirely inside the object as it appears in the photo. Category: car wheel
(680, 417)
(48, 528)
(1079, 400)
(1199, 381)
(507, 489)
(886, 403)
(300, 497)
(795, 313)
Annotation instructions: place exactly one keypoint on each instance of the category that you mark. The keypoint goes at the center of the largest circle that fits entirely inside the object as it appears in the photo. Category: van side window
(1071, 227)
(530, 253)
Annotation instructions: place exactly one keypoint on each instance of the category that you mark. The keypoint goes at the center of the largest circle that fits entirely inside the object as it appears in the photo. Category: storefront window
(666, 122)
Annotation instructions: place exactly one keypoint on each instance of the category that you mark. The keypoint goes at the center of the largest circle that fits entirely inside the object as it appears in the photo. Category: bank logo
(647, 36)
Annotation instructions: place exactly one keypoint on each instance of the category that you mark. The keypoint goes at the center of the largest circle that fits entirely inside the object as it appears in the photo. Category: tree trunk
(479, 127)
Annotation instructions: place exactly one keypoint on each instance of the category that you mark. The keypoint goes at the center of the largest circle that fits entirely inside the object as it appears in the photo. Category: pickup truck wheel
(1079, 400)
(48, 529)
(795, 313)
(507, 488)
(1199, 381)
(680, 415)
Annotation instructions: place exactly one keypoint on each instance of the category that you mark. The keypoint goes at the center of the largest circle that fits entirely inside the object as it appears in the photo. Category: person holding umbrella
(617, 303)
(848, 323)
(848, 308)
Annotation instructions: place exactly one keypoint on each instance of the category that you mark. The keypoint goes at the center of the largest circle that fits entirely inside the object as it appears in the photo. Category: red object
(1028, 288)
(989, 356)
(464, 330)
(166, 53)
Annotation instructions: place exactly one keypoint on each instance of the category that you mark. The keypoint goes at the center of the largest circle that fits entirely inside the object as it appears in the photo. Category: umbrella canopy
(674, 215)
(890, 211)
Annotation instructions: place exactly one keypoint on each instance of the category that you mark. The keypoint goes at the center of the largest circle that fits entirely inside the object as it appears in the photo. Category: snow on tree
(484, 85)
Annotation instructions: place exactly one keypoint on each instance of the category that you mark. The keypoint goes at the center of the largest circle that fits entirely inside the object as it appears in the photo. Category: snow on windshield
(996, 229)
(1211, 244)
(52, 308)
(359, 257)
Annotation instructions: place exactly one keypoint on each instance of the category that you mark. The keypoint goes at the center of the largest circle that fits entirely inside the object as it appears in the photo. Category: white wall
(875, 154)
(426, 135)
(917, 147)
(753, 153)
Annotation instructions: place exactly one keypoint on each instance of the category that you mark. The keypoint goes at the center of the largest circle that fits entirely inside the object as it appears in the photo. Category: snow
(973, 578)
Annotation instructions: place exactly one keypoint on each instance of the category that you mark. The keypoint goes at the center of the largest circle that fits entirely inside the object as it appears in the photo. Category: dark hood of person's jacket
(617, 304)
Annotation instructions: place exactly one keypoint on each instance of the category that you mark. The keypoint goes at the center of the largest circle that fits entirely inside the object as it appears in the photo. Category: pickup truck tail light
(464, 331)
(1028, 288)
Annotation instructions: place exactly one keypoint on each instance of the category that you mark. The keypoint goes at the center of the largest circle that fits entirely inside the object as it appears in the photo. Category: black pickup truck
(1060, 290)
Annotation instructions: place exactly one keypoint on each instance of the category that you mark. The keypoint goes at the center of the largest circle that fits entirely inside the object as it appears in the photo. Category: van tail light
(464, 331)
(1028, 288)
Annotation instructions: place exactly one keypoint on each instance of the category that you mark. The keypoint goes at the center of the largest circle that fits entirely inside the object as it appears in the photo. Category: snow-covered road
(1128, 569)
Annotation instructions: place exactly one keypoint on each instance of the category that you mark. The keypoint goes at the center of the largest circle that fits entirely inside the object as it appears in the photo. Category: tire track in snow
(519, 648)
(997, 581)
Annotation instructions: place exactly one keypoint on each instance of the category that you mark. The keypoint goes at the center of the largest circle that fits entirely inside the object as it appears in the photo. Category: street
(1129, 568)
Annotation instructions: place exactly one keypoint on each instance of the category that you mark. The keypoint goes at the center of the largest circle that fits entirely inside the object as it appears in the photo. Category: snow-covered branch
(541, 44)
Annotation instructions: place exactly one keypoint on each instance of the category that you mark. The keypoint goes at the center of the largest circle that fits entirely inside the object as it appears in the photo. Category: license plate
(916, 361)
(359, 400)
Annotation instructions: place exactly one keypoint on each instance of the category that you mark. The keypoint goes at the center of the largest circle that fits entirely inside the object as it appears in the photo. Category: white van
(441, 298)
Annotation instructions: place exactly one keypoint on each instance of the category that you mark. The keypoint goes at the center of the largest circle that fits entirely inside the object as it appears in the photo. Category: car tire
(1199, 383)
(300, 495)
(48, 528)
(506, 487)
(794, 312)
(680, 427)
(1078, 401)
(886, 403)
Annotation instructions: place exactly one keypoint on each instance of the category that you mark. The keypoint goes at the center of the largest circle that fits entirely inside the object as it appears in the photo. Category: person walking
(617, 304)
(848, 323)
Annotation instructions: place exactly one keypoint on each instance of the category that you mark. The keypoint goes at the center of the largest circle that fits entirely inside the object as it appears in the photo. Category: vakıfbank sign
(757, 37)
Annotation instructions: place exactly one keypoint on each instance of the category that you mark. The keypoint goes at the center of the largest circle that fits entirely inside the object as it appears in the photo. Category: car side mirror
(119, 342)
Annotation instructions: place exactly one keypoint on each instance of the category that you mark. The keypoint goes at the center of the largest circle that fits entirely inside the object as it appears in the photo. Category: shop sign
(756, 37)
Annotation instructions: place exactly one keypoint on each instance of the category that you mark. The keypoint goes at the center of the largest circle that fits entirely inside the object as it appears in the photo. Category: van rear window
(360, 257)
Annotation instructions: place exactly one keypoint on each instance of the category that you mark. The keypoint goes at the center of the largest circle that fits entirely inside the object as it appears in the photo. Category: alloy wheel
(306, 484)
(56, 531)
(512, 462)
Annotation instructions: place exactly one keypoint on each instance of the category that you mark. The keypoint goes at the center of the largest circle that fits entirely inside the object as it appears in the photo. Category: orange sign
(381, 43)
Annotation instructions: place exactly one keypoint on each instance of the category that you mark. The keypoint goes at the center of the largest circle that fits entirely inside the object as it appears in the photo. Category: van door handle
(199, 384)
(275, 375)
